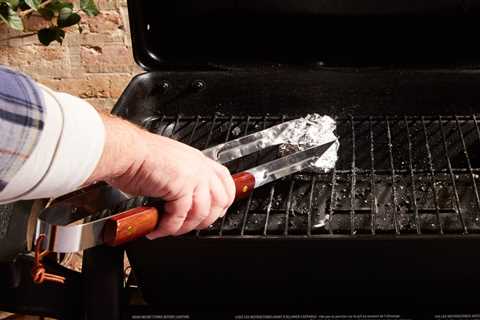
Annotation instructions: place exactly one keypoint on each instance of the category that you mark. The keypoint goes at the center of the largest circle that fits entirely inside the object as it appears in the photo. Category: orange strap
(39, 274)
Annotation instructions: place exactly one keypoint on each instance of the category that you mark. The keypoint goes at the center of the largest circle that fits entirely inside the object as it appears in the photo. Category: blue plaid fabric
(21, 121)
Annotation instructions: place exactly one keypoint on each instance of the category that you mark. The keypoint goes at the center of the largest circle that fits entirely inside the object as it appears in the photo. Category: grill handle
(138, 222)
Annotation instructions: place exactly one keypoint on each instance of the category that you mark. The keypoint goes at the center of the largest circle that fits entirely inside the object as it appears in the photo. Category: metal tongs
(61, 227)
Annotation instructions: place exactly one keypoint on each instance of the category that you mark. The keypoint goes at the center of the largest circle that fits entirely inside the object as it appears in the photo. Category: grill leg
(103, 283)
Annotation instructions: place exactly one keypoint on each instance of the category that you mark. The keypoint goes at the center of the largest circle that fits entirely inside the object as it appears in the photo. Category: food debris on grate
(396, 175)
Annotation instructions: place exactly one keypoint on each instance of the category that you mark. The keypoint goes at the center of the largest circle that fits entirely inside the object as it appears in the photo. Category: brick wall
(96, 64)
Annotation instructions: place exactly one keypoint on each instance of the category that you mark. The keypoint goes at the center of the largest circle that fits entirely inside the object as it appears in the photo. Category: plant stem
(20, 36)
(22, 14)
(27, 12)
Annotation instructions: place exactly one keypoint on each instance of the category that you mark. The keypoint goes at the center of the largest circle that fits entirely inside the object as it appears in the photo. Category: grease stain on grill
(416, 175)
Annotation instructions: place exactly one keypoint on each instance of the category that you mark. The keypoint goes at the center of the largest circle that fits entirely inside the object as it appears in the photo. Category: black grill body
(394, 229)
(405, 134)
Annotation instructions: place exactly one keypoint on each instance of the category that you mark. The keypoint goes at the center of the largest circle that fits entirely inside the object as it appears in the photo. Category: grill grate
(395, 175)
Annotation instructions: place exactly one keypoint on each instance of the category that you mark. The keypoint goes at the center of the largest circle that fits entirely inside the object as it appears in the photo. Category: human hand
(197, 190)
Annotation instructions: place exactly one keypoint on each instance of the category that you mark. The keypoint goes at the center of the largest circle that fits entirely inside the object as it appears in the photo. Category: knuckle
(171, 229)
(225, 171)
(200, 215)
(225, 202)
(231, 198)
(204, 225)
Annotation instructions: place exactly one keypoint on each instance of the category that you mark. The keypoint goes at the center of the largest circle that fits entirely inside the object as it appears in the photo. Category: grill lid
(187, 34)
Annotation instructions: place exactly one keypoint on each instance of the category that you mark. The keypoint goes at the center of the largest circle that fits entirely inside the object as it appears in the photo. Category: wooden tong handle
(244, 184)
(130, 225)
(138, 222)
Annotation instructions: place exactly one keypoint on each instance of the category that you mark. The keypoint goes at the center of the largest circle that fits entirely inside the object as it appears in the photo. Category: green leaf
(48, 35)
(33, 4)
(22, 5)
(66, 18)
(58, 5)
(13, 3)
(89, 7)
(46, 13)
(10, 17)
(64, 13)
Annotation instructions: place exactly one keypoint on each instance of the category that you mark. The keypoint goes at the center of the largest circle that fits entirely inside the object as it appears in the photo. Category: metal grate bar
(445, 118)
(210, 133)
(206, 145)
(452, 177)
(245, 214)
(175, 126)
(162, 133)
(476, 126)
(422, 211)
(393, 175)
(412, 178)
(250, 197)
(469, 166)
(194, 130)
(405, 171)
(269, 209)
(432, 176)
(230, 125)
(272, 192)
(332, 201)
(149, 122)
(289, 206)
(374, 202)
(379, 172)
(353, 182)
(227, 136)
(310, 206)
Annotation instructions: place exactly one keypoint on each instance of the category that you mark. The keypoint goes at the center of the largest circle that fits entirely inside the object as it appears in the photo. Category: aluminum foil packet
(307, 132)
(291, 136)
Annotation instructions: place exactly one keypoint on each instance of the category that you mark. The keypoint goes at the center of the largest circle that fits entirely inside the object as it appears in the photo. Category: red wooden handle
(130, 225)
(244, 184)
(138, 222)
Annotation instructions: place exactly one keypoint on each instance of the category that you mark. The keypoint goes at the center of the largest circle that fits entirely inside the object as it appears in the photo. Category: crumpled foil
(310, 131)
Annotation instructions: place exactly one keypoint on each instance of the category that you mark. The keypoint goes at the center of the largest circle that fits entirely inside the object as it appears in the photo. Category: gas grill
(392, 232)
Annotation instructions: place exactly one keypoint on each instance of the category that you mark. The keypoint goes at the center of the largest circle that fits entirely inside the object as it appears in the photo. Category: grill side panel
(296, 90)
(318, 276)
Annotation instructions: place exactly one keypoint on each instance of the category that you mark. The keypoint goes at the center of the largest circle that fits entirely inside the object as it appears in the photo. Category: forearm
(76, 147)
(122, 152)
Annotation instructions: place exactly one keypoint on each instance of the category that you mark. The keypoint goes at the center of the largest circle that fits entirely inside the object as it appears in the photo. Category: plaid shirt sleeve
(21, 121)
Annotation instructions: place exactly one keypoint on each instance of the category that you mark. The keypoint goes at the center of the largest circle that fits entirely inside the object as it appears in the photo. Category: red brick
(118, 84)
(109, 58)
(35, 23)
(96, 65)
(105, 22)
(102, 104)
